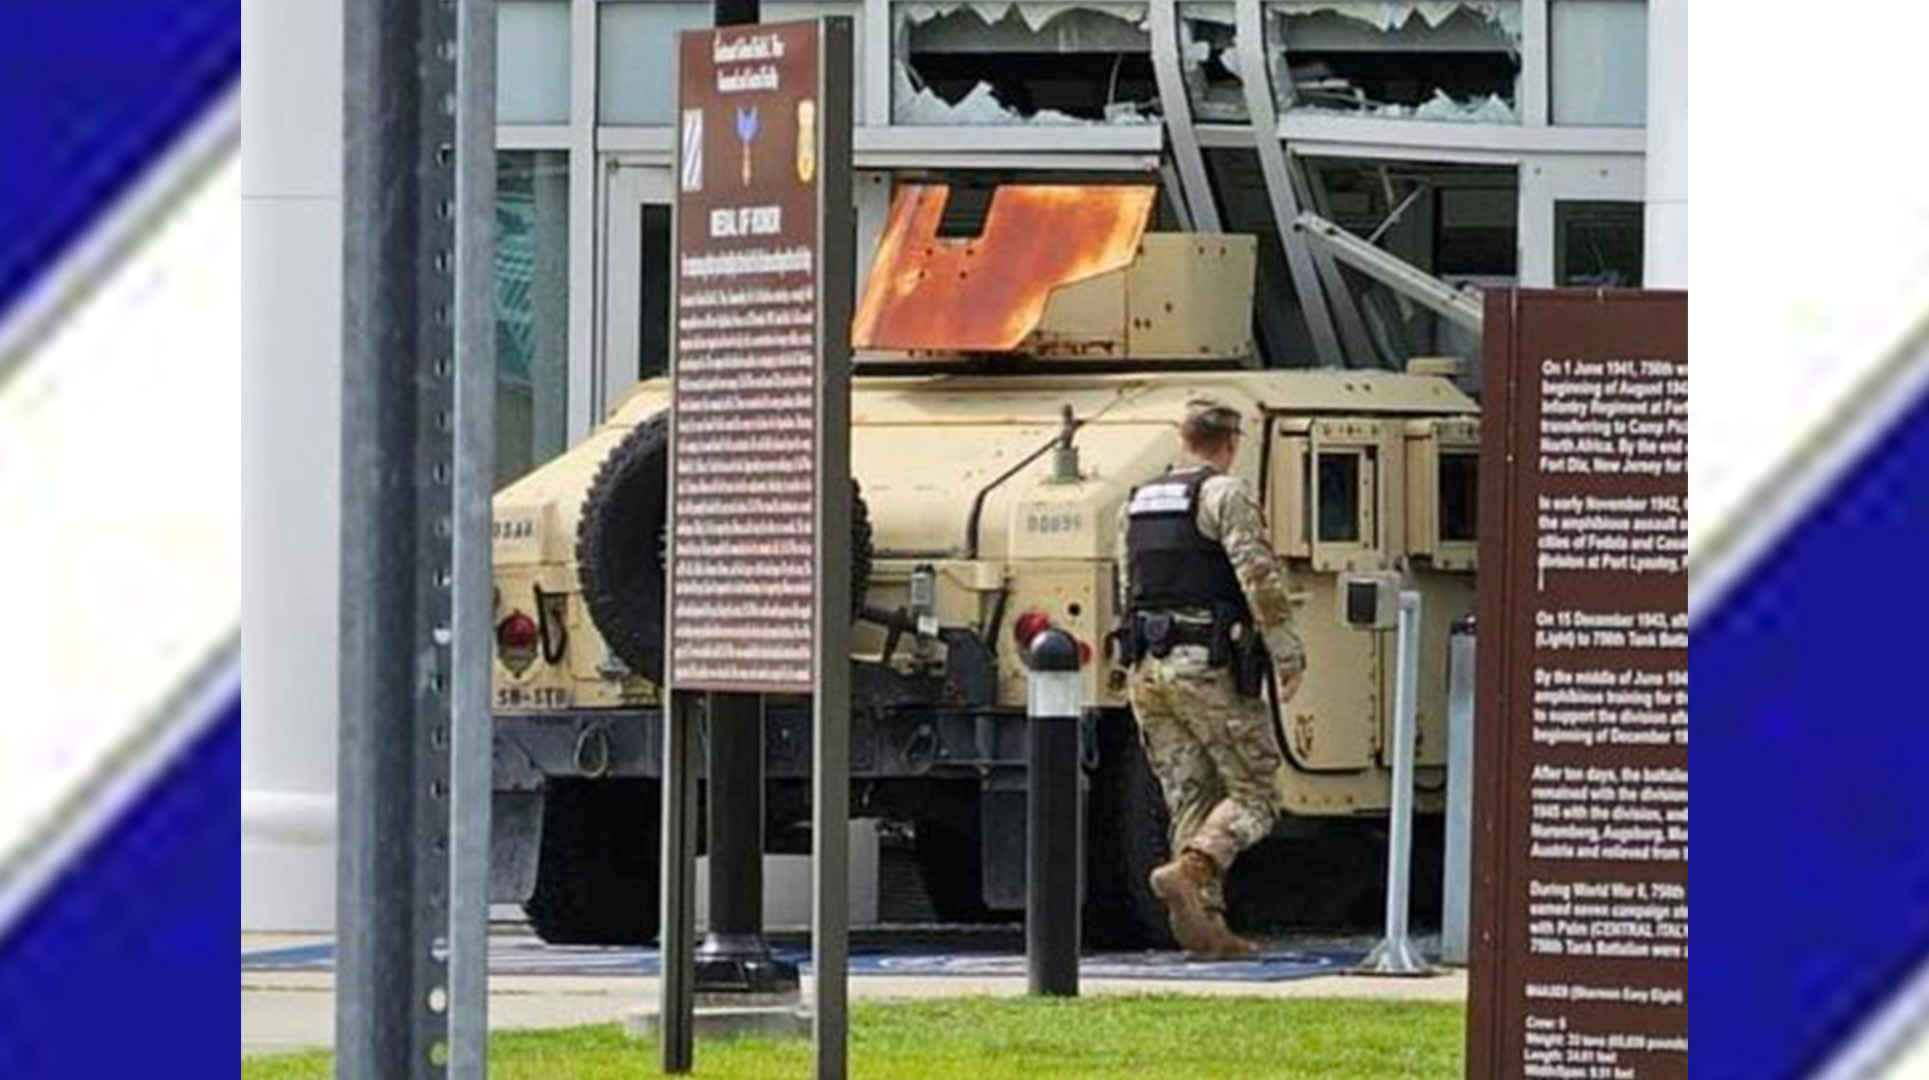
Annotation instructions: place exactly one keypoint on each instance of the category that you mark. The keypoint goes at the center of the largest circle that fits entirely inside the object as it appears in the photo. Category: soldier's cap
(1210, 416)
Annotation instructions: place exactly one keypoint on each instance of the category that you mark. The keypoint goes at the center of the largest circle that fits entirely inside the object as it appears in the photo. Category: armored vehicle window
(1459, 475)
(1339, 498)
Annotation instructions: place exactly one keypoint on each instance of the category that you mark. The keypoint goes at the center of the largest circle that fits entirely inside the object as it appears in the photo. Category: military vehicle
(1012, 387)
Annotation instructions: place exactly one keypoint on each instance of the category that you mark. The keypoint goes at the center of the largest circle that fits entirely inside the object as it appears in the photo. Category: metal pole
(1456, 892)
(831, 703)
(418, 386)
(1395, 954)
(1052, 848)
(679, 882)
(734, 957)
(471, 750)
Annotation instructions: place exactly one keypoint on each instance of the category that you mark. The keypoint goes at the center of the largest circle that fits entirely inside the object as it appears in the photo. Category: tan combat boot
(1181, 885)
(1228, 945)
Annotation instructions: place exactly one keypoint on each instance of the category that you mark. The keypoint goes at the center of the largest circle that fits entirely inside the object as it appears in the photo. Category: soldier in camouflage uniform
(1205, 602)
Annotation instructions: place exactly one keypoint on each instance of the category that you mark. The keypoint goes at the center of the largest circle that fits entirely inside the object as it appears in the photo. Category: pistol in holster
(1143, 634)
(1247, 657)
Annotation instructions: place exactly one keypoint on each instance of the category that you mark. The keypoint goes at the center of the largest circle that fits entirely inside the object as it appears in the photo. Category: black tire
(950, 865)
(620, 547)
(1126, 836)
(596, 879)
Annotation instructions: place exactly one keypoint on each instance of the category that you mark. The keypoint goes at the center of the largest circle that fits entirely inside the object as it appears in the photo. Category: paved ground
(287, 989)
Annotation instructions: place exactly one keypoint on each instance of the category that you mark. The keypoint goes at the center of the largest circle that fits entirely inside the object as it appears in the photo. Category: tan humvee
(974, 353)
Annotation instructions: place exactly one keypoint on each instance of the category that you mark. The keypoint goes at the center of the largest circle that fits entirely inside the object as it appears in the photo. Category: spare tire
(620, 546)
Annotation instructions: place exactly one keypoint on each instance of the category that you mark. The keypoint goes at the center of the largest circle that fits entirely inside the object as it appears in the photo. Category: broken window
(1457, 222)
(1598, 245)
(986, 62)
(1443, 60)
(1209, 62)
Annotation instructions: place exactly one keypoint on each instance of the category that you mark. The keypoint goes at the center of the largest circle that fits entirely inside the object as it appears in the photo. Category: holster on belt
(1239, 645)
(1158, 633)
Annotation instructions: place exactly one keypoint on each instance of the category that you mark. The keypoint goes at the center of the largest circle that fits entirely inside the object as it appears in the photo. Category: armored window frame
(1364, 547)
(1286, 483)
(1429, 445)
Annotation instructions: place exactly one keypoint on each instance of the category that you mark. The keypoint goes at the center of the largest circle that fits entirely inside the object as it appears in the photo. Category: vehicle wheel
(596, 878)
(947, 840)
(1125, 838)
(950, 869)
(620, 545)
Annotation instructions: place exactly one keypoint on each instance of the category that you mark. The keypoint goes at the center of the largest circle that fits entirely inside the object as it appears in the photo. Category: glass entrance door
(636, 277)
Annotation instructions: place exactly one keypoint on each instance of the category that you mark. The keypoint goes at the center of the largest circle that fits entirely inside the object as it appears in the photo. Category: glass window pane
(532, 61)
(1459, 496)
(636, 58)
(532, 308)
(1339, 498)
(794, 10)
(1598, 62)
(1474, 231)
(653, 306)
(1456, 61)
(636, 51)
(1598, 244)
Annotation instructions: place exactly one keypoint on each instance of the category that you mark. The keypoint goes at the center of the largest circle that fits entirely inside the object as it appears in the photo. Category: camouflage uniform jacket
(1229, 514)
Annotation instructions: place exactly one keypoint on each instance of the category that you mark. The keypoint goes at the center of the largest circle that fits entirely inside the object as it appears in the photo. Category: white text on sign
(746, 221)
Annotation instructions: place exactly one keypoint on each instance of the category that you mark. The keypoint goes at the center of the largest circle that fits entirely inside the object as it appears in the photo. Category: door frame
(630, 181)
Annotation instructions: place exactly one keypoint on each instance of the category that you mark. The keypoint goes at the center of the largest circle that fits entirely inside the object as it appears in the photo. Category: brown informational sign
(1580, 954)
(749, 359)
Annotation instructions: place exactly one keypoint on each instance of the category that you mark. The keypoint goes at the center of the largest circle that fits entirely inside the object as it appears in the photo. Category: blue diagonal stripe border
(1811, 755)
(121, 967)
(91, 95)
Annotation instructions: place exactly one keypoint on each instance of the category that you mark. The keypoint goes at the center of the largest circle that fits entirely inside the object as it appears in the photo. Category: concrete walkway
(294, 1010)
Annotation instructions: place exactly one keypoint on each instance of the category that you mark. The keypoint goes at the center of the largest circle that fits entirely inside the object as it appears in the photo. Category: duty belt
(1161, 632)
(1227, 641)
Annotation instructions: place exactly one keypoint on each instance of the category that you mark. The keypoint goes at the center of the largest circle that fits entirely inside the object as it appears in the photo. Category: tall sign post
(1580, 952)
(418, 407)
(759, 586)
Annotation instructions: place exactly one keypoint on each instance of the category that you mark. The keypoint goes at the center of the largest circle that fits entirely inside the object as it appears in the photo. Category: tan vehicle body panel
(922, 446)
(1059, 276)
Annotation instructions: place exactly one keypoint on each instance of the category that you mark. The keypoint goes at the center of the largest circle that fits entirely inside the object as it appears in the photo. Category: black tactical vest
(1171, 563)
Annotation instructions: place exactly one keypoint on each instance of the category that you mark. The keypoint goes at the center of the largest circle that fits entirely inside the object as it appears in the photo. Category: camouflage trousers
(1214, 752)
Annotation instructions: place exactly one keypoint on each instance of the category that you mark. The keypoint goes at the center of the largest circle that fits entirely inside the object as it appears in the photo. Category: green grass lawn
(1166, 1037)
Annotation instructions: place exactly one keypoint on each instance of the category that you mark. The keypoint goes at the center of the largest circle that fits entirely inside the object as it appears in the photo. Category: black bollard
(1052, 852)
(734, 958)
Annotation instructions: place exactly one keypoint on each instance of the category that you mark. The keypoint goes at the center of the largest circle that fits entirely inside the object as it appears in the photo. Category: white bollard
(1395, 954)
(1457, 889)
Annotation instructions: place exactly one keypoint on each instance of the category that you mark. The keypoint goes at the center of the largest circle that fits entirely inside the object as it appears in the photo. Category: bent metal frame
(417, 429)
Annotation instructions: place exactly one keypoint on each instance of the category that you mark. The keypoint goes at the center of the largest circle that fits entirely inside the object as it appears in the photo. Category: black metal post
(734, 957)
(1053, 854)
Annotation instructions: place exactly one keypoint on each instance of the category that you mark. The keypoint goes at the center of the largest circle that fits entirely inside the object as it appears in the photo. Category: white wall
(291, 161)
(1665, 257)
